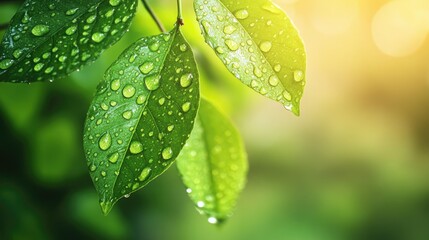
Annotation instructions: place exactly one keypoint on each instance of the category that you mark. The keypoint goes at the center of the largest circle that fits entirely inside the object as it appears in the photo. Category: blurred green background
(355, 165)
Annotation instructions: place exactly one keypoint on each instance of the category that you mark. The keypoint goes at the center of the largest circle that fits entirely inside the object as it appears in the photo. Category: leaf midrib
(144, 107)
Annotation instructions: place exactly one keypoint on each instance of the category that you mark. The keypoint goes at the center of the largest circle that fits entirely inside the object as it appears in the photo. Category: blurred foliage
(354, 166)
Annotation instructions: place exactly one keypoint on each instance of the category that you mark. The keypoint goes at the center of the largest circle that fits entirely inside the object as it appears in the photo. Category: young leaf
(213, 164)
(47, 39)
(258, 44)
(141, 116)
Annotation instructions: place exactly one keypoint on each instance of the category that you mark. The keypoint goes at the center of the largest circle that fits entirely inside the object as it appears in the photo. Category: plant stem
(179, 13)
(154, 17)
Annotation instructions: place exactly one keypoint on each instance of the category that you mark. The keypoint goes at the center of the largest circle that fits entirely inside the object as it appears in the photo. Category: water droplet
(136, 147)
(91, 19)
(212, 220)
(92, 168)
(167, 153)
(220, 50)
(115, 85)
(144, 174)
(17, 53)
(114, 2)
(241, 14)
(170, 128)
(273, 80)
(141, 99)
(128, 91)
(298, 75)
(62, 58)
(40, 30)
(154, 46)
(277, 68)
(183, 47)
(114, 157)
(271, 8)
(103, 173)
(6, 63)
(186, 106)
(201, 204)
(49, 70)
(152, 82)
(161, 101)
(127, 114)
(38, 67)
(188, 190)
(98, 37)
(231, 44)
(135, 186)
(71, 11)
(105, 141)
(229, 29)
(186, 80)
(287, 95)
(265, 46)
(146, 67)
(71, 30)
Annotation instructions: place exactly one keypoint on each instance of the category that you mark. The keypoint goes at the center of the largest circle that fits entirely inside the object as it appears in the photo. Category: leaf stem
(179, 13)
(154, 17)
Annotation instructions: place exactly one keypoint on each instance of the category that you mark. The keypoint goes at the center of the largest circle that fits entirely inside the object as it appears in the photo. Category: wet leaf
(258, 44)
(48, 39)
(213, 164)
(141, 116)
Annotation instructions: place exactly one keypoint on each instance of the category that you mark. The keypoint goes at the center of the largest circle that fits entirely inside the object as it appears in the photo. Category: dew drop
(144, 174)
(231, 44)
(40, 30)
(186, 107)
(114, 2)
(277, 68)
(265, 46)
(115, 85)
(170, 128)
(105, 141)
(229, 29)
(152, 82)
(114, 157)
(183, 47)
(167, 153)
(92, 168)
(71, 30)
(273, 80)
(287, 95)
(220, 50)
(186, 80)
(17, 53)
(212, 220)
(141, 99)
(71, 11)
(98, 37)
(136, 147)
(128, 91)
(6, 63)
(241, 14)
(298, 75)
(146, 67)
(127, 114)
(154, 46)
(38, 67)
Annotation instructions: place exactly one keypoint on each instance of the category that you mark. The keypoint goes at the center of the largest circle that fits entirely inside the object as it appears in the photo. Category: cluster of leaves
(147, 111)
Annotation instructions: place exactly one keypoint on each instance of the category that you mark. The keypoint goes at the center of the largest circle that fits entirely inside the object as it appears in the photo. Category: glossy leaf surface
(213, 164)
(258, 44)
(47, 39)
(141, 116)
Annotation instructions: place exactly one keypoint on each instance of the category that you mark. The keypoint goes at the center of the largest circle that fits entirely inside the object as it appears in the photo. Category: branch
(154, 17)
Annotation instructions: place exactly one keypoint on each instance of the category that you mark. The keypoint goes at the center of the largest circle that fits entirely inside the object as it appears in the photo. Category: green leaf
(258, 44)
(47, 39)
(141, 116)
(213, 164)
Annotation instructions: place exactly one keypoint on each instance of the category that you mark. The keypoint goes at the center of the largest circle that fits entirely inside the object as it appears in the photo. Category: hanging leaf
(47, 39)
(258, 44)
(213, 164)
(141, 116)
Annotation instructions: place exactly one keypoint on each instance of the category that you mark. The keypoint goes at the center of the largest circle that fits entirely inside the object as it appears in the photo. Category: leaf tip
(106, 207)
